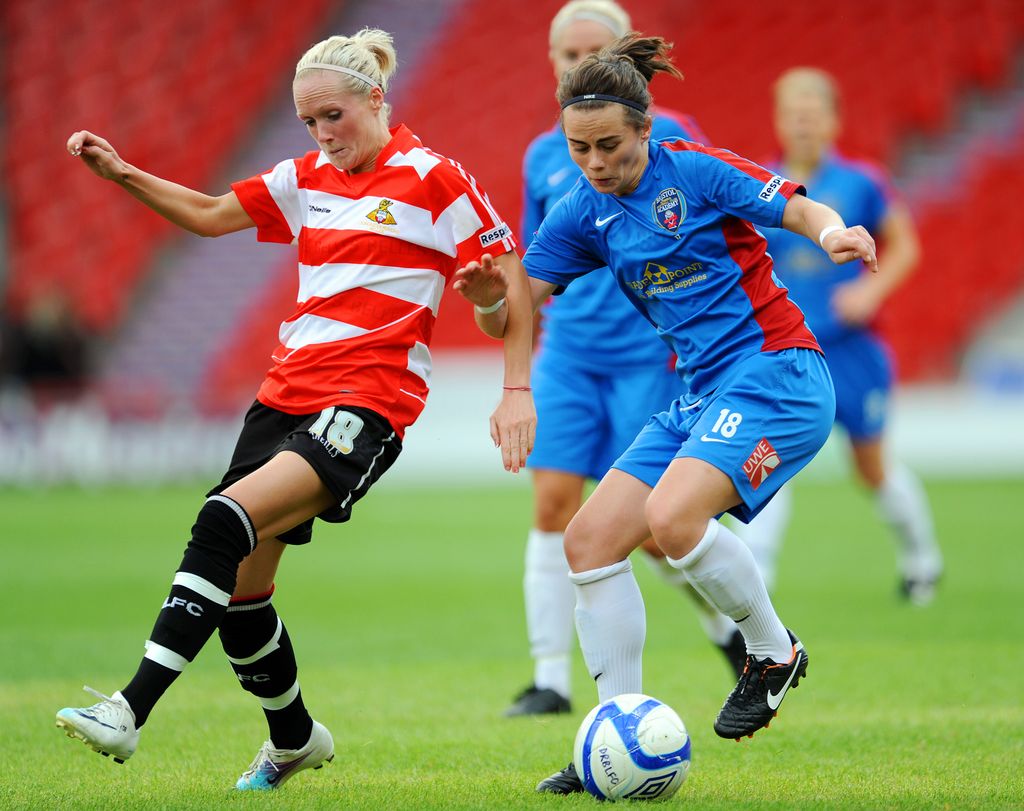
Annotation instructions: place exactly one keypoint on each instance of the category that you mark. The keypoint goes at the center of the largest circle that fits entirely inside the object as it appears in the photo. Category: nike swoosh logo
(97, 720)
(559, 176)
(706, 438)
(602, 220)
(775, 699)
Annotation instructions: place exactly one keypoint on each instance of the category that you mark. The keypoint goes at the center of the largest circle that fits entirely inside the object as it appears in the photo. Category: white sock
(903, 504)
(763, 536)
(718, 627)
(723, 570)
(550, 600)
(611, 625)
(552, 672)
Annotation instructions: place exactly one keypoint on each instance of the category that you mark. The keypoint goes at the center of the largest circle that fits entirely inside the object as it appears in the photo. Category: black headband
(603, 97)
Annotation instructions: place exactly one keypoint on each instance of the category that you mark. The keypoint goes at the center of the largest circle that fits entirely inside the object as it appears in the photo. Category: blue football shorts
(862, 372)
(586, 418)
(767, 419)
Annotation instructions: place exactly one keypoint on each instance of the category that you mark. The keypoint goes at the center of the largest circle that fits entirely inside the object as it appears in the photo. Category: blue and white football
(632, 747)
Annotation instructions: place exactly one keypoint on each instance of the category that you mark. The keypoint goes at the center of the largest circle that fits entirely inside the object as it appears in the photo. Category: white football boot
(272, 767)
(107, 727)
(920, 579)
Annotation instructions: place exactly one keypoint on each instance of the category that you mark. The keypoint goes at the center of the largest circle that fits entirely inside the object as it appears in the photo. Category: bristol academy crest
(669, 209)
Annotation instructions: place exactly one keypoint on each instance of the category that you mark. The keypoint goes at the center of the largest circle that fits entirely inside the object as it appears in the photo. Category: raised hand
(97, 154)
(852, 243)
(483, 283)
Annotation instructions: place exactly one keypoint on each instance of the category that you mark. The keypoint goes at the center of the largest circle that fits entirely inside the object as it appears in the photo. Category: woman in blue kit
(599, 375)
(674, 222)
(840, 307)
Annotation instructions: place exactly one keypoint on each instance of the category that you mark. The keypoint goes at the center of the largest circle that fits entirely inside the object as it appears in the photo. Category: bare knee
(257, 572)
(688, 495)
(869, 463)
(557, 497)
(674, 529)
(650, 547)
(872, 476)
(588, 544)
(578, 542)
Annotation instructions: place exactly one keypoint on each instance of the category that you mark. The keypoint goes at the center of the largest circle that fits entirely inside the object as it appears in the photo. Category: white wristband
(492, 309)
(828, 229)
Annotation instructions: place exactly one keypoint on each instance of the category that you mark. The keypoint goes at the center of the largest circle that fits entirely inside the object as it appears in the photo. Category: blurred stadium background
(130, 350)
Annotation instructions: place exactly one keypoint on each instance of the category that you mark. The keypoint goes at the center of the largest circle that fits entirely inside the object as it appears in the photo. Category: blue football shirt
(592, 322)
(861, 195)
(683, 248)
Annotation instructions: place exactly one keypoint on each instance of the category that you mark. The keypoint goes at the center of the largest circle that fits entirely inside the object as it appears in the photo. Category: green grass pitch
(409, 629)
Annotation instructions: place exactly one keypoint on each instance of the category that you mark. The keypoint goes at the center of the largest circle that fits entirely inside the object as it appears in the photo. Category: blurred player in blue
(841, 304)
(599, 375)
(674, 222)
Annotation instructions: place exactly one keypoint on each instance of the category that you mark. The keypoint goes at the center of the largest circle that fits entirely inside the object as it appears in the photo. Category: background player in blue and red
(674, 222)
(600, 372)
(841, 304)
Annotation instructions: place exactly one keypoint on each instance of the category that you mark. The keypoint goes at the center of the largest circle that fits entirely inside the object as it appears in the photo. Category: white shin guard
(550, 600)
(612, 625)
(717, 627)
(763, 536)
(903, 505)
(723, 570)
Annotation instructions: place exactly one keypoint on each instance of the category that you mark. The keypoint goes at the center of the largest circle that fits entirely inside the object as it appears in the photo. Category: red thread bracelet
(517, 388)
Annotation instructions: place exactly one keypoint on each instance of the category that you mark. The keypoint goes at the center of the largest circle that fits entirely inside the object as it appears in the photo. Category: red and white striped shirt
(376, 250)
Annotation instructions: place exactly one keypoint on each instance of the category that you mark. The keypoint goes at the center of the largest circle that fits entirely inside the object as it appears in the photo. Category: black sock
(261, 654)
(147, 685)
(221, 538)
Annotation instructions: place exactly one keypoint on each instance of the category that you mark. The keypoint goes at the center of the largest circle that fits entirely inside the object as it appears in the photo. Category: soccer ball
(632, 747)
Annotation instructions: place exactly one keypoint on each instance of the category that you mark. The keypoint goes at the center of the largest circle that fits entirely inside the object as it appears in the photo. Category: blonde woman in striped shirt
(382, 224)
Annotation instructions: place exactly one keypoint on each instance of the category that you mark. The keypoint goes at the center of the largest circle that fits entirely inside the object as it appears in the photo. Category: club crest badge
(381, 215)
(669, 209)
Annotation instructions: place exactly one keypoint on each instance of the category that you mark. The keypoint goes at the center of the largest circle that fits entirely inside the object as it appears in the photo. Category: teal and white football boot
(272, 767)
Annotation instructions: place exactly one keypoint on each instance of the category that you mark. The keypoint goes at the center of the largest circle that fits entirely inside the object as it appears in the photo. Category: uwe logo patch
(761, 463)
(669, 209)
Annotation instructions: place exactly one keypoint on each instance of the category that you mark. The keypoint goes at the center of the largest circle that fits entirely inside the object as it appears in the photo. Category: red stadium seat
(156, 77)
(148, 76)
(901, 70)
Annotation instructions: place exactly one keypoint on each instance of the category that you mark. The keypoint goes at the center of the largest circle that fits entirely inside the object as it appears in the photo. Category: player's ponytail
(649, 55)
(618, 73)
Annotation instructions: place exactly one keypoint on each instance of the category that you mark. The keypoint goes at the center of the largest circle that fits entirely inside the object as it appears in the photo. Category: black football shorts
(348, 446)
